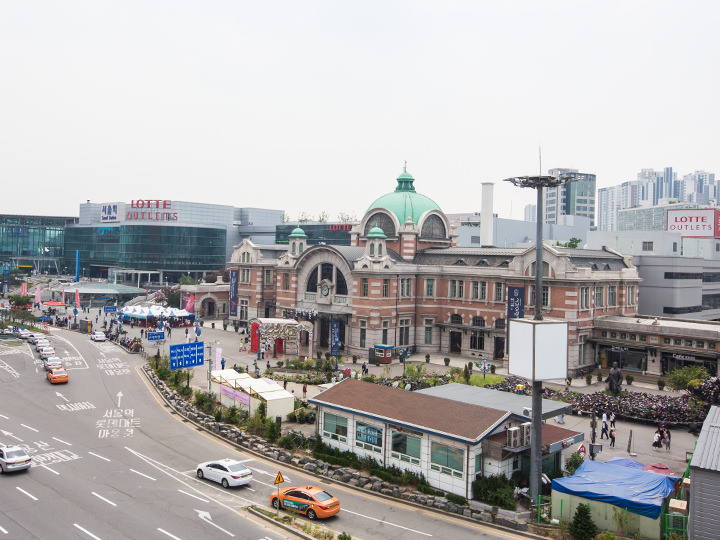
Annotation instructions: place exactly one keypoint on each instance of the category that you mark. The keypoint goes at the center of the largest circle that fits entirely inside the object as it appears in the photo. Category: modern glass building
(33, 243)
(332, 234)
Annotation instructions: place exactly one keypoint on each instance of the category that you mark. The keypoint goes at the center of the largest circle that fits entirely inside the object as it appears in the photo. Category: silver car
(52, 362)
(13, 458)
(228, 472)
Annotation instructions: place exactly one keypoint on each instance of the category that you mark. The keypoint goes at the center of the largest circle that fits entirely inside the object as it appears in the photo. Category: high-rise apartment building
(530, 213)
(573, 198)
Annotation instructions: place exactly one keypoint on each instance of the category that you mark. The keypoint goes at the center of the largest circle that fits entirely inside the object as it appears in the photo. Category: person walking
(304, 390)
(262, 352)
(612, 437)
(656, 444)
(186, 332)
(666, 440)
(285, 384)
(612, 419)
(604, 430)
(222, 363)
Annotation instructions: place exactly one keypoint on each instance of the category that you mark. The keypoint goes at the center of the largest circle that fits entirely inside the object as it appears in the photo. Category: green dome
(405, 202)
(376, 232)
(298, 233)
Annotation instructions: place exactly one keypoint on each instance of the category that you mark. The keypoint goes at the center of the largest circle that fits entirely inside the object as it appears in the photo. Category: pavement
(642, 434)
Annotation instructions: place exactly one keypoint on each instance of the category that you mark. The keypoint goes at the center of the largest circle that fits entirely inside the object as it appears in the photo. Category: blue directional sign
(110, 309)
(156, 336)
(187, 355)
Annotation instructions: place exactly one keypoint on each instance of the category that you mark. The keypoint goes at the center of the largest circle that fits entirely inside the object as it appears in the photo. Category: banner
(63, 298)
(77, 298)
(187, 302)
(23, 289)
(38, 297)
(334, 338)
(218, 358)
(515, 302)
(233, 293)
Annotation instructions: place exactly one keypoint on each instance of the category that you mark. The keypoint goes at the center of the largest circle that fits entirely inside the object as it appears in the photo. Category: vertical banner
(233, 293)
(187, 302)
(63, 298)
(77, 298)
(218, 358)
(516, 302)
(23, 289)
(334, 338)
(38, 297)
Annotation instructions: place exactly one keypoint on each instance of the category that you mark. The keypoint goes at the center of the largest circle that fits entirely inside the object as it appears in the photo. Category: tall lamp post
(537, 183)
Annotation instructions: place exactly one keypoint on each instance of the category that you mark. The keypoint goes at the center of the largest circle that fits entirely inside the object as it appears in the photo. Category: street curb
(333, 481)
(288, 528)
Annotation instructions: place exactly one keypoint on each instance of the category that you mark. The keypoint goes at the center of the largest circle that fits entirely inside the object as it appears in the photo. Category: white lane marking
(30, 428)
(3, 530)
(3, 416)
(385, 522)
(170, 535)
(97, 456)
(60, 440)
(103, 498)
(141, 474)
(274, 475)
(49, 469)
(193, 496)
(91, 535)
(8, 434)
(205, 516)
(21, 490)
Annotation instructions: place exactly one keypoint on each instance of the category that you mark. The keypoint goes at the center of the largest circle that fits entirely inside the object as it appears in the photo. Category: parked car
(97, 336)
(24, 334)
(13, 458)
(40, 343)
(32, 338)
(228, 472)
(312, 501)
(58, 375)
(47, 352)
(52, 362)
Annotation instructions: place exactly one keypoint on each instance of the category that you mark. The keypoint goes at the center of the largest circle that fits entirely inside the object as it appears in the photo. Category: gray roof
(707, 451)
(494, 399)
(99, 288)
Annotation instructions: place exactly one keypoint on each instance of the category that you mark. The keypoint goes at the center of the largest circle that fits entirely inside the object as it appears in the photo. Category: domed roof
(297, 232)
(405, 202)
(376, 232)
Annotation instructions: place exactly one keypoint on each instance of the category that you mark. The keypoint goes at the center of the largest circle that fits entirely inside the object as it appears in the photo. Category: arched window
(372, 249)
(500, 324)
(478, 321)
(292, 248)
(302, 247)
(383, 221)
(341, 285)
(455, 319)
(546, 269)
(433, 227)
(379, 250)
(327, 272)
(312, 281)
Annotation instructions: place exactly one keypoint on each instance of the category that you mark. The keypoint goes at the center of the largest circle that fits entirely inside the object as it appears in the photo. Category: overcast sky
(314, 106)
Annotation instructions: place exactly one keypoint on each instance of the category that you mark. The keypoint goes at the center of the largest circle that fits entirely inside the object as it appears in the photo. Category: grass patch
(477, 380)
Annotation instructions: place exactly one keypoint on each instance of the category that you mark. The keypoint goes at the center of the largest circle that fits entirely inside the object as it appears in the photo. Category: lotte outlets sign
(694, 222)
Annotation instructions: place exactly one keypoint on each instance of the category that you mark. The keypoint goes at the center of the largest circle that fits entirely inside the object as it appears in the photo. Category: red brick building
(404, 282)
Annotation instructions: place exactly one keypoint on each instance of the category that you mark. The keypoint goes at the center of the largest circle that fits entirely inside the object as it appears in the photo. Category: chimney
(486, 215)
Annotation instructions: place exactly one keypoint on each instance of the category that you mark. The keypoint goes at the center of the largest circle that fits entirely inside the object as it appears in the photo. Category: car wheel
(200, 473)
(311, 514)
(275, 503)
(225, 483)
(1, 469)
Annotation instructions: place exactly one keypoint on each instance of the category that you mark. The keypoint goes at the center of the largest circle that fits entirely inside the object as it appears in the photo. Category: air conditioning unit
(514, 437)
(526, 428)
(527, 411)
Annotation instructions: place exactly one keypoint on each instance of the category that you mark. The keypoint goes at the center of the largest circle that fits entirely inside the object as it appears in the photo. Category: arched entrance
(208, 308)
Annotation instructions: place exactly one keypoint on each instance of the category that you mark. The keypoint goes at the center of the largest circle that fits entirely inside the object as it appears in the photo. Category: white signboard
(694, 222)
(538, 349)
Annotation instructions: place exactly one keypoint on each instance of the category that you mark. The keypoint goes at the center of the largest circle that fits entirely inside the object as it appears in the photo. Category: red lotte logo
(151, 210)
(694, 222)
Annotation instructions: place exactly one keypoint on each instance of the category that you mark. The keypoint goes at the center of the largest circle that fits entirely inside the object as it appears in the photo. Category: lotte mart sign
(694, 222)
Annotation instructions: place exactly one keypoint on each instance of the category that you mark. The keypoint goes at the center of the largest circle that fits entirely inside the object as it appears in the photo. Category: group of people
(660, 438)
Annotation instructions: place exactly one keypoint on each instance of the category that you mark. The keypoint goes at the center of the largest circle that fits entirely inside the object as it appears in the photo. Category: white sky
(314, 106)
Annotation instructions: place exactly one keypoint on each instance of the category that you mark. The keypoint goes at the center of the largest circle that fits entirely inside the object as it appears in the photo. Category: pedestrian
(96, 319)
(604, 416)
(285, 384)
(656, 444)
(268, 364)
(667, 440)
(141, 333)
(612, 419)
(222, 364)
(604, 430)
(304, 390)
(257, 372)
(612, 437)
(262, 352)
(186, 332)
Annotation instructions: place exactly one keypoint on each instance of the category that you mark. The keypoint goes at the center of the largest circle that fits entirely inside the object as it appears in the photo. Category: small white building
(245, 392)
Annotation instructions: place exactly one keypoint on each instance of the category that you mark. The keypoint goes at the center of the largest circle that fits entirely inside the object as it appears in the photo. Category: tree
(19, 300)
(323, 217)
(680, 379)
(582, 525)
(573, 463)
(572, 243)
(285, 217)
(186, 280)
(346, 217)
(304, 217)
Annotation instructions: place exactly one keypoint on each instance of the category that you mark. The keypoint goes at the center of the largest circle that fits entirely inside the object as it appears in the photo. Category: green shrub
(218, 415)
(204, 402)
(279, 363)
(582, 525)
(661, 384)
(495, 491)
(447, 361)
(344, 536)
(272, 430)
(163, 373)
(629, 379)
(573, 463)
(588, 379)
(599, 376)
(492, 369)
(606, 535)
(456, 499)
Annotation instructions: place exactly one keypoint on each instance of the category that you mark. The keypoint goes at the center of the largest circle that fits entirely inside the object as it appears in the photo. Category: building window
(428, 331)
(457, 288)
(599, 297)
(268, 277)
(642, 337)
(372, 249)
(368, 437)
(545, 296)
(335, 427)
(674, 247)
(647, 246)
(429, 287)
(581, 350)
(711, 345)
(499, 292)
(612, 295)
(286, 282)
(385, 327)
(584, 297)
(363, 333)
(386, 288)
(478, 321)
(406, 447)
(446, 459)
(677, 341)
(404, 332)
(500, 324)
(245, 275)
(631, 295)
(483, 290)
(477, 340)
(405, 287)
(243, 312)
(666, 341)
(700, 344)
(455, 319)
(474, 290)
(453, 289)
(364, 287)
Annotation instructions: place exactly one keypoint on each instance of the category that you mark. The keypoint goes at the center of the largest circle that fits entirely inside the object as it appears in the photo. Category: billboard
(694, 222)
(187, 355)
(233, 292)
(515, 302)
(187, 302)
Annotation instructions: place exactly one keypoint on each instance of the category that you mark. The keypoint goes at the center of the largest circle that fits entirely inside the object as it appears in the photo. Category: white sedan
(228, 472)
(97, 336)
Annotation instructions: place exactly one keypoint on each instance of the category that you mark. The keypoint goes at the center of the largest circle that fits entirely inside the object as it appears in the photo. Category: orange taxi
(57, 376)
(312, 501)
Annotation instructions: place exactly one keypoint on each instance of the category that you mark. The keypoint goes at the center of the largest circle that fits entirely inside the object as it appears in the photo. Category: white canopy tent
(246, 392)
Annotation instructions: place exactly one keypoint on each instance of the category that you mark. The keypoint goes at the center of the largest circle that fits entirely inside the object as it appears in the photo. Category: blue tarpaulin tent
(626, 462)
(639, 492)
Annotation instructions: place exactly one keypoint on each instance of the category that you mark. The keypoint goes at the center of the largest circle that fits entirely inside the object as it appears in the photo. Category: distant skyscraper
(608, 204)
(530, 212)
(573, 198)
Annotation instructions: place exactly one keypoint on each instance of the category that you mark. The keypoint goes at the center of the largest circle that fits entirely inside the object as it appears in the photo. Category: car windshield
(16, 453)
(59, 372)
(236, 467)
(320, 496)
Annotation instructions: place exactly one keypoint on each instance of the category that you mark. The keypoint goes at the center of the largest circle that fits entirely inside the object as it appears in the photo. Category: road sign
(581, 450)
(156, 336)
(279, 479)
(187, 355)
(110, 309)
